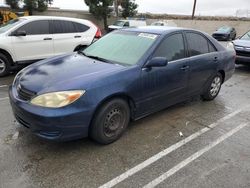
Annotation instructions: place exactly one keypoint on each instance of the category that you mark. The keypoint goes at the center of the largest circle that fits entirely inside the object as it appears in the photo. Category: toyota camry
(126, 75)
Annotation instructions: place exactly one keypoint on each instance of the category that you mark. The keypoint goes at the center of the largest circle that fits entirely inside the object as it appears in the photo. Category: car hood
(244, 43)
(67, 72)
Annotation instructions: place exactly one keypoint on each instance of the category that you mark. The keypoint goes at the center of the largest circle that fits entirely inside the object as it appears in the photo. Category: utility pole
(194, 7)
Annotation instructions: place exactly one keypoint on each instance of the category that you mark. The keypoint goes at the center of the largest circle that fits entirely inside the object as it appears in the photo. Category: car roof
(159, 30)
(49, 17)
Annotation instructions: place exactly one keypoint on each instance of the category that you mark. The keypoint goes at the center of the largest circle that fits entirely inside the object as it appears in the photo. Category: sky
(204, 7)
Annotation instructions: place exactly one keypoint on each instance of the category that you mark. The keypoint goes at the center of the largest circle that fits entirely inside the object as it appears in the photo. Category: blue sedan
(126, 75)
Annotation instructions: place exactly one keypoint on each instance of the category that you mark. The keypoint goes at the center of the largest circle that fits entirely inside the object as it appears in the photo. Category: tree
(14, 4)
(38, 5)
(100, 9)
(129, 8)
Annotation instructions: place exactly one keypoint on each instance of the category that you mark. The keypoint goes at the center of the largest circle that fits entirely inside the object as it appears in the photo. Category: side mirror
(157, 62)
(20, 33)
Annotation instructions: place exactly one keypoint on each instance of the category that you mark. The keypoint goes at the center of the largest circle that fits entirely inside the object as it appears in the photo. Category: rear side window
(172, 48)
(81, 27)
(60, 26)
(40, 27)
(198, 44)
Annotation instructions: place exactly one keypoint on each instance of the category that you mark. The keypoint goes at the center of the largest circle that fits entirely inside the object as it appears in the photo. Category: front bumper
(242, 60)
(63, 124)
(221, 37)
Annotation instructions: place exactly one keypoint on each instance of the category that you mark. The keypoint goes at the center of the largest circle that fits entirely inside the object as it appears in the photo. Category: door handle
(185, 67)
(78, 36)
(215, 58)
(47, 39)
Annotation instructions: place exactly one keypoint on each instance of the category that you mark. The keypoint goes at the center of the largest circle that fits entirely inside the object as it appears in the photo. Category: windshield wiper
(96, 57)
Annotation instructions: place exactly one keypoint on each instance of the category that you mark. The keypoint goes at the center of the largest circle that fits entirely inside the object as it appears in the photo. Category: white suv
(32, 38)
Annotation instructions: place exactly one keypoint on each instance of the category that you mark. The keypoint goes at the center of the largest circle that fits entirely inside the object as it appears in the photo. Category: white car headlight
(230, 46)
(57, 99)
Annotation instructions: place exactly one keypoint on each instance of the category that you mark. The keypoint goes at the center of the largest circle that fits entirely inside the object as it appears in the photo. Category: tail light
(98, 33)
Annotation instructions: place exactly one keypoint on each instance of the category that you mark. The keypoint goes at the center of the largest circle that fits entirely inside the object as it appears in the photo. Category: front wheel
(214, 88)
(110, 121)
(4, 65)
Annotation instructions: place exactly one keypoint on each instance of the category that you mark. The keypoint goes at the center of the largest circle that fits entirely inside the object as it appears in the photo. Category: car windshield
(224, 29)
(158, 24)
(246, 36)
(119, 23)
(125, 48)
(7, 26)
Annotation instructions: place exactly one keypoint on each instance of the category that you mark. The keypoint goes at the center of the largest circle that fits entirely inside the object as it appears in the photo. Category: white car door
(67, 35)
(33, 41)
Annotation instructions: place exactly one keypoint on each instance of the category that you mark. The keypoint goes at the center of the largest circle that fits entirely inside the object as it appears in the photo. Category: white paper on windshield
(148, 35)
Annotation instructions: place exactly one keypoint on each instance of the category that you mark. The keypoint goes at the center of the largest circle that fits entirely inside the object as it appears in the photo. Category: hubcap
(2, 66)
(114, 122)
(215, 86)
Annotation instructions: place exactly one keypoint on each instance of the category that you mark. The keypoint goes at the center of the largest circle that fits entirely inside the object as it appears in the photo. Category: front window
(172, 48)
(9, 25)
(157, 24)
(40, 27)
(119, 23)
(246, 36)
(125, 48)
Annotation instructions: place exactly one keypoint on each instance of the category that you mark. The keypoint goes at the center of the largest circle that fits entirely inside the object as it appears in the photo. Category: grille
(218, 35)
(22, 122)
(243, 53)
(24, 94)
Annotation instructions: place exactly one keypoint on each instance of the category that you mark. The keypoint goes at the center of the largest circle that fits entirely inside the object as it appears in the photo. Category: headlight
(230, 46)
(57, 99)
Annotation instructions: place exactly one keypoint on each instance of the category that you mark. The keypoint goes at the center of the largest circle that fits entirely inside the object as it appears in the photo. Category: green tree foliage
(100, 9)
(129, 8)
(13, 3)
(38, 5)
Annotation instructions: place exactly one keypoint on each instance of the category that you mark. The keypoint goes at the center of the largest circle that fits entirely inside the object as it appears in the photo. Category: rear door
(68, 35)
(203, 63)
(37, 44)
(164, 86)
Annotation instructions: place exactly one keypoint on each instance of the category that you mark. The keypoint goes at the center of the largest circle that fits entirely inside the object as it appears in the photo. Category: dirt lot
(193, 144)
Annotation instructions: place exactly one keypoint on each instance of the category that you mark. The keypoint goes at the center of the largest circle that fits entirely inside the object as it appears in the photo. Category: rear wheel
(4, 65)
(214, 88)
(110, 121)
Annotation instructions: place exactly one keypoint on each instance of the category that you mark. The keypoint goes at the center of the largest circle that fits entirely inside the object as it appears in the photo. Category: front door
(164, 86)
(37, 44)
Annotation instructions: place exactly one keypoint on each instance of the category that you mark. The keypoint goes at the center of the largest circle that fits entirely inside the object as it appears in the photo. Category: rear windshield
(7, 26)
(125, 48)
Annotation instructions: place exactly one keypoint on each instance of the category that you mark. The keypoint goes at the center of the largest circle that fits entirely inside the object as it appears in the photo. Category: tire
(234, 37)
(213, 88)
(78, 48)
(110, 121)
(4, 65)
